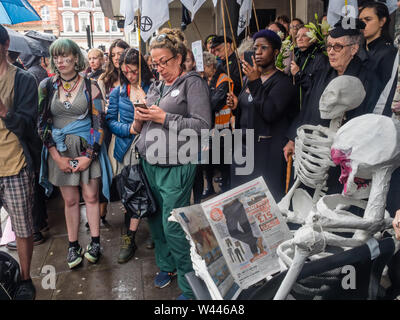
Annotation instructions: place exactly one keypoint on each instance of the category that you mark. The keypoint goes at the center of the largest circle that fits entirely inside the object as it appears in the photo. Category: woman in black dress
(267, 104)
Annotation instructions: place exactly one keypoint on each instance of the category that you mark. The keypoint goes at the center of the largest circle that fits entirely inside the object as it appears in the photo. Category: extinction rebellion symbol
(146, 24)
(242, 22)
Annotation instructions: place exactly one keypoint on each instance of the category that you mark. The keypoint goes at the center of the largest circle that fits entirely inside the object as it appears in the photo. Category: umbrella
(17, 11)
(41, 36)
(40, 42)
(18, 42)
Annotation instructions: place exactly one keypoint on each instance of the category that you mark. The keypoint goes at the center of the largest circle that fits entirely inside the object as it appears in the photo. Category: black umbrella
(41, 36)
(18, 42)
(40, 42)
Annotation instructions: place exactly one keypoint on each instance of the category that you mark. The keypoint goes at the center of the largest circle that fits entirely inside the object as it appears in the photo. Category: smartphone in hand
(140, 105)
(248, 57)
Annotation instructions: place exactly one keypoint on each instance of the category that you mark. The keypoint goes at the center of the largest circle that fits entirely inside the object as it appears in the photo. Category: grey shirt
(187, 106)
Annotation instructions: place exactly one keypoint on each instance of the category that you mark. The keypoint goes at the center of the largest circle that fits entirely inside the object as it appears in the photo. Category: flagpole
(291, 10)
(140, 51)
(226, 47)
(234, 41)
(255, 15)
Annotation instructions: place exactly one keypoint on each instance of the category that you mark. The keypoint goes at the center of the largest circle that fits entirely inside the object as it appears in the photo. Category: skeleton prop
(313, 146)
(368, 150)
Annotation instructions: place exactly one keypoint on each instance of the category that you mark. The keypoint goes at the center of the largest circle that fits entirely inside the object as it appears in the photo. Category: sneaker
(37, 239)
(127, 249)
(74, 257)
(93, 253)
(163, 279)
(26, 291)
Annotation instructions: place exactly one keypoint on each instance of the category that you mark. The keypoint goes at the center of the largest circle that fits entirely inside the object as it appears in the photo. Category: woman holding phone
(267, 105)
(123, 101)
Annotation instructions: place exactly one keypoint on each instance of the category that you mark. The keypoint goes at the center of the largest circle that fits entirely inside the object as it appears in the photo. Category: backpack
(10, 276)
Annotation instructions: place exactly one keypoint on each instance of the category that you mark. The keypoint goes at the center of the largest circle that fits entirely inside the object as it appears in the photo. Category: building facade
(75, 15)
(48, 11)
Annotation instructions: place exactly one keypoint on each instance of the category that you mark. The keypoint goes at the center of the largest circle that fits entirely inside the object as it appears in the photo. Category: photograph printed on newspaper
(237, 234)
(249, 227)
(208, 261)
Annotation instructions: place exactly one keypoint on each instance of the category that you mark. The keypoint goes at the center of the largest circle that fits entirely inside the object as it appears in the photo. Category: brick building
(75, 15)
(48, 11)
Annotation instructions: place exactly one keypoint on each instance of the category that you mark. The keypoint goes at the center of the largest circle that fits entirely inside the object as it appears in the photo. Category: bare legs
(90, 193)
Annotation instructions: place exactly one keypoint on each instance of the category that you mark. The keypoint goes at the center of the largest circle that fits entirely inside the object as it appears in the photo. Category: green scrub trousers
(171, 188)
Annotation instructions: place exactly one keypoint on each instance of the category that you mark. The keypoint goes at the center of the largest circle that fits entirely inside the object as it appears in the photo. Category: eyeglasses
(337, 47)
(161, 63)
(296, 27)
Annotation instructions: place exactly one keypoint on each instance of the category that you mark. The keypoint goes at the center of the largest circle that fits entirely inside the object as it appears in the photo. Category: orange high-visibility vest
(223, 117)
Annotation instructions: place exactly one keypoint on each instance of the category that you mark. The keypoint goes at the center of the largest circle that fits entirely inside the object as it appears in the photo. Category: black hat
(216, 41)
(347, 27)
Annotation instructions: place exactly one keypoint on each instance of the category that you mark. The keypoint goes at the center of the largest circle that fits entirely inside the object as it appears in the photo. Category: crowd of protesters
(80, 122)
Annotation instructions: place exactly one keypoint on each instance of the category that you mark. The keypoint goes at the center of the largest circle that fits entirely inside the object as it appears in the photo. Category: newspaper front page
(236, 234)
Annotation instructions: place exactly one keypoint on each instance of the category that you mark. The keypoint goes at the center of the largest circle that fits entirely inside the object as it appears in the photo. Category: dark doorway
(265, 17)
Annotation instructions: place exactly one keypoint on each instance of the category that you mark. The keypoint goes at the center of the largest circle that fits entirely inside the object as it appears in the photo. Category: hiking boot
(93, 253)
(163, 279)
(74, 257)
(26, 291)
(127, 250)
(37, 239)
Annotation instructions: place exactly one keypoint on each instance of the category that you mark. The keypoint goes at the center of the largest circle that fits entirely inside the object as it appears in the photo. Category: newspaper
(236, 234)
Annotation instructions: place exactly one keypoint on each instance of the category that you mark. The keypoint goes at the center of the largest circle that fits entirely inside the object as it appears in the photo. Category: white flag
(244, 14)
(193, 5)
(391, 4)
(338, 8)
(128, 9)
(154, 14)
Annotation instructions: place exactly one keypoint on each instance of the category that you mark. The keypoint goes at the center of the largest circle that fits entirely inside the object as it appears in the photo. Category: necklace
(68, 88)
(267, 72)
(67, 83)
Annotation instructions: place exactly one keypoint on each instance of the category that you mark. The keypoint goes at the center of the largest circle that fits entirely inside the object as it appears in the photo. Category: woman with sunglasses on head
(179, 102)
(379, 46)
(120, 115)
(71, 122)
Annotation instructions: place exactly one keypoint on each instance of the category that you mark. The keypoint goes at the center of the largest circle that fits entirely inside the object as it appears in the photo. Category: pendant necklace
(68, 91)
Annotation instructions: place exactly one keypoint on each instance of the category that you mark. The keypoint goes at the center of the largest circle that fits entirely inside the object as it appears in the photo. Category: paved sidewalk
(107, 280)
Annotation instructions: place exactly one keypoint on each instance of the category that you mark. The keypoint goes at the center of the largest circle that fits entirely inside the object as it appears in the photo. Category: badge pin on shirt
(250, 98)
(175, 93)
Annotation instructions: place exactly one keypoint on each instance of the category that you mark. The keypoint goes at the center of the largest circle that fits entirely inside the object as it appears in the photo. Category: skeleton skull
(342, 94)
(363, 146)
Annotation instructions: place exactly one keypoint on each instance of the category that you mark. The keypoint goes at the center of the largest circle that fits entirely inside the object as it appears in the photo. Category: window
(84, 20)
(99, 22)
(45, 13)
(68, 22)
(114, 26)
(67, 3)
(82, 4)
